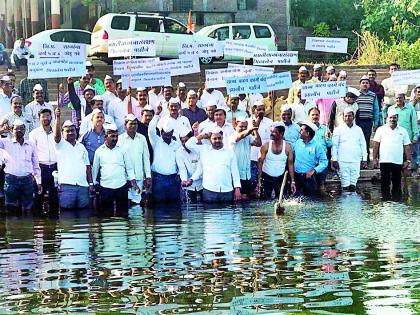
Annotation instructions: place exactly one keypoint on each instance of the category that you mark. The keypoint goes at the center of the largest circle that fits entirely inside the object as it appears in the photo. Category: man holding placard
(233, 112)
(390, 88)
(302, 76)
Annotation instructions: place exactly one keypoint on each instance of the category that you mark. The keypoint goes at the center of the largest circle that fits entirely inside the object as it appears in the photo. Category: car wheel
(206, 60)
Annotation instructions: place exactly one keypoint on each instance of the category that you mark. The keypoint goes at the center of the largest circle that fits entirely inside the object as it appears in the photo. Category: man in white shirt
(247, 101)
(348, 150)
(155, 95)
(114, 168)
(20, 54)
(136, 107)
(209, 122)
(245, 136)
(300, 107)
(213, 95)
(43, 138)
(86, 123)
(175, 116)
(220, 121)
(188, 163)
(181, 94)
(74, 171)
(6, 95)
(391, 144)
(118, 108)
(219, 167)
(164, 103)
(110, 94)
(165, 181)
(33, 108)
(136, 146)
(6, 122)
(233, 111)
(390, 88)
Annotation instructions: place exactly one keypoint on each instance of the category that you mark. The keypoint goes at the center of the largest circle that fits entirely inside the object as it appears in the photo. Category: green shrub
(322, 30)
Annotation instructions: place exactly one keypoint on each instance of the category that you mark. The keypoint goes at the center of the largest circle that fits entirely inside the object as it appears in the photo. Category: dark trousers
(5, 59)
(48, 186)
(270, 183)
(19, 62)
(391, 173)
(195, 195)
(366, 125)
(212, 196)
(165, 187)
(109, 195)
(18, 191)
(305, 186)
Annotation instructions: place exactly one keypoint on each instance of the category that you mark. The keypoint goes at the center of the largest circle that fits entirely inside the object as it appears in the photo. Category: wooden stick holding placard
(129, 71)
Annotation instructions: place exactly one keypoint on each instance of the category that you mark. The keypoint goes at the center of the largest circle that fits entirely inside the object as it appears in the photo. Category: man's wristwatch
(408, 161)
(90, 184)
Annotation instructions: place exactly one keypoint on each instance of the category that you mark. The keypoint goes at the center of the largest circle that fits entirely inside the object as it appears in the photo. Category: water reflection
(349, 255)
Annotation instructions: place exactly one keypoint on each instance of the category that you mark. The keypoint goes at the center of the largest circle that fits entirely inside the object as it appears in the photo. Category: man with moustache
(33, 108)
(86, 123)
(137, 107)
(302, 76)
(164, 103)
(292, 130)
(194, 113)
(95, 136)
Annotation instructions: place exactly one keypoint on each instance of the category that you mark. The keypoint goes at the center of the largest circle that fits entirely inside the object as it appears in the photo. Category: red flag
(190, 25)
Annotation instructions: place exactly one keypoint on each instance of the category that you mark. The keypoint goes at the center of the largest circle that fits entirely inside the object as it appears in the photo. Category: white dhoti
(349, 173)
(133, 195)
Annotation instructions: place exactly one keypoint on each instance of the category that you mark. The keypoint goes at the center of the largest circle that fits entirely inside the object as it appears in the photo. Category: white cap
(37, 87)
(130, 117)
(220, 107)
(342, 72)
(96, 111)
(278, 124)
(174, 100)
(148, 107)
(211, 103)
(140, 89)
(191, 92)
(286, 107)
(181, 85)
(348, 109)
(399, 92)
(392, 112)
(329, 68)
(89, 64)
(234, 96)
(241, 118)
(333, 75)
(169, 125)
(67, 123)
(112, 127)
(258, 103)
(108, 77)
(89, 87)
(354, 91)
(365, 77)
(310, 124)
(119, 81)
(184, 131)
(302, 68)
(317, 66)
(18, 122)
(98, 98)
(5, 78)
(216, 129)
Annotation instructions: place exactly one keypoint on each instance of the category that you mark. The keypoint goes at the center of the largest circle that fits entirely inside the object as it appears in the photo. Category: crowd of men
(165, 144)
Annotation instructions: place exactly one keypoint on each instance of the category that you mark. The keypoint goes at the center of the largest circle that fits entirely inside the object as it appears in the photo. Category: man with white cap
(110, 92)
(336, 116)
(137, 106)
(348, 150)
(246, 101)
(245, 136)
(194, 113)
(179, 121)
(188, 163)
(302, 76)
(391, 152)
(112, 168)
(342, 75)
(209, 122)
(220, 121)
(165, 181)
(292, 129)
(164, 103)
(310, 159)
(221, 180)
(22, 168)
(316, 74)
(136, 146)
(43, 138)
(33, 108)
(233, 111)
(213, 95)
(118, 108)
(6, 95)
(74, 170)
(368, 114)
(155, 95)
(181, 93)
(17, 112)
(86, 123)
(329, 72)
(26, 87)
(94, 136)
(143, 126)
(300, 107)
(275, 155)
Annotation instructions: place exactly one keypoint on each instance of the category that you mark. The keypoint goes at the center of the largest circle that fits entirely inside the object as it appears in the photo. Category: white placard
(248, 84)
(61, 50)
(135, 47)
(406, 77)
(180, 66)
(242, 49)
(279, 81)
(55, 68)
(147, 78)
(327, 44)
(332, 89)
(121, 66)
(252, 70)
(205, 49)
(271, 58)
(215, 78)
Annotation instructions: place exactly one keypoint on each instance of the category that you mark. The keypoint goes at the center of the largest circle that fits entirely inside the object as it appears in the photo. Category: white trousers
(349, 173)
(133, 195)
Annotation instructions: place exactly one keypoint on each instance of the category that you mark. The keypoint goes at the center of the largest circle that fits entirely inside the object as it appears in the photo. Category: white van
(253, 33)
(167, 32)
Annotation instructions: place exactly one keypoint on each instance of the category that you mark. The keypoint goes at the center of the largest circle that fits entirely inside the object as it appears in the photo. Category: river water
(352, 254)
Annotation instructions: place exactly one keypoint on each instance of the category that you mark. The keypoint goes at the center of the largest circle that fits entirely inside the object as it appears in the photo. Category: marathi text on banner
(333, 89)
(142, 47)
(180, 66)
(249, 84)
(147, 78)
(251, 70)
(215, 78)
(122, 66)
(270, 58)
(205, 49)
(242, 49)
(327, 44)
(406, 77)
(279, 81)
(61, 50)
(48, 68)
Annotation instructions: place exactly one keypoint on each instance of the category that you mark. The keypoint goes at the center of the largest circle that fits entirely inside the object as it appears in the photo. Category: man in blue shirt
(4, 57)
(291, 133)
(310, 159)
(95, 137)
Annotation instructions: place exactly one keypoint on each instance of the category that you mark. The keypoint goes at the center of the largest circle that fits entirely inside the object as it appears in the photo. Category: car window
(174, 27)
(71, 37)
(146, 24)
(241, 31)
(120, 22)
(262, 31)
(222, 33)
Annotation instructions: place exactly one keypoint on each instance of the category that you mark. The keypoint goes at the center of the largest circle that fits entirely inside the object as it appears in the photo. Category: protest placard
(242, 49)
(252, 70)
(249, 84)
(147, 78)
(180, 66)
(132, 47)
(279, 81)
(332, 89)
(327, 44)
(61, 50)
(47, 68)
(406, 77)
(215, 78)
(204, 49)
(122, 66)
(270, 58)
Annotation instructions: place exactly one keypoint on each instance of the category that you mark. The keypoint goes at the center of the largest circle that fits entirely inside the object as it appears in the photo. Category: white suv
(167, 32)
